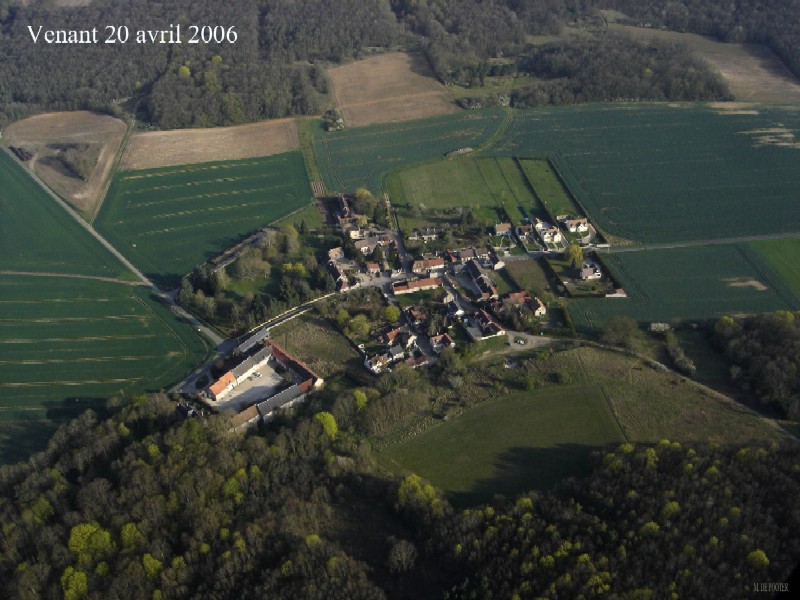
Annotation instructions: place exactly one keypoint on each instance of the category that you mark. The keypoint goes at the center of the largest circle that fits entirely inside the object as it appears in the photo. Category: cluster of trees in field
(292, 273)
(772, 22)
(459, 35)
(765, 353)
(616, 67)
(139, 504)
(77, 159)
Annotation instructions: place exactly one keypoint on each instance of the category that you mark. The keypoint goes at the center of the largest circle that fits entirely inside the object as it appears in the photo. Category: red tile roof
(294, 363)
(221, 384)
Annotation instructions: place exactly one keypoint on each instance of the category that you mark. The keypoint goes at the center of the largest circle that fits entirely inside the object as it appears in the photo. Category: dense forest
(142, 504)
(765, 354)
(267, 72)
(275, 68)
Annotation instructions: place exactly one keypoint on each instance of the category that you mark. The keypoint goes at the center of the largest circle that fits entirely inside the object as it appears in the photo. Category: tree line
(616, 67)
(274, 69)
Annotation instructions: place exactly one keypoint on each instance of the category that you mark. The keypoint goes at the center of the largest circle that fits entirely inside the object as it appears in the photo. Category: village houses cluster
(425, 328)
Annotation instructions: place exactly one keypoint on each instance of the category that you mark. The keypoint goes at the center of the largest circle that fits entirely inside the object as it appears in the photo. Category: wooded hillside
(274, 68)
(265, 73)
(142, 505)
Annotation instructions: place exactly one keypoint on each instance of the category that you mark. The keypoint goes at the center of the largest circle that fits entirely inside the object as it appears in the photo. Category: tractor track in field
(71, 276)
(696, 243)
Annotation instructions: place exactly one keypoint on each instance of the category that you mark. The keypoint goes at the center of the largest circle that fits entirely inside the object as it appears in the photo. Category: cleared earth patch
(387, 88)
(155, 149)
(73, 153)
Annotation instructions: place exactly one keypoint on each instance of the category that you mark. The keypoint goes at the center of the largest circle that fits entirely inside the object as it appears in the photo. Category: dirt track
(71, 276)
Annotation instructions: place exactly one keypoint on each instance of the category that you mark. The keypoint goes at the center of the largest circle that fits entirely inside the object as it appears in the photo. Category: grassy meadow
(530, 440)
(518, 442)
(784, 257)
(549, 189)
(492, 188)
(316, 342)
(530, 276)
(171, 219)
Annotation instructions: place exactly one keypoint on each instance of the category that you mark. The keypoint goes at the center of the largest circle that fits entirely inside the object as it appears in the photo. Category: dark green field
(652, 172)
(689, 284)
(37, 235)
(65, 343)
(520, 442)
(169, 220)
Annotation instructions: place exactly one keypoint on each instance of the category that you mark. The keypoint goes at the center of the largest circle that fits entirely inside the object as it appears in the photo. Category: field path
(71, 276)
(695, 243)
(508, 118)
(166, 298)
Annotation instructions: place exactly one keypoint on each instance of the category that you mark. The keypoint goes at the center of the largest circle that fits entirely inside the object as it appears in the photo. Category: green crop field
(643, 172)
(362, 156)
(522, 441)
(689, 284)
(654, 172)
(169, 220)
(488, 186)
(66, 342)
(38, 235)
(784, 257)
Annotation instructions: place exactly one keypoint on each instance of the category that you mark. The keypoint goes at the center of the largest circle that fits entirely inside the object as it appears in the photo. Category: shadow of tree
(20, 438)
(519, 469)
